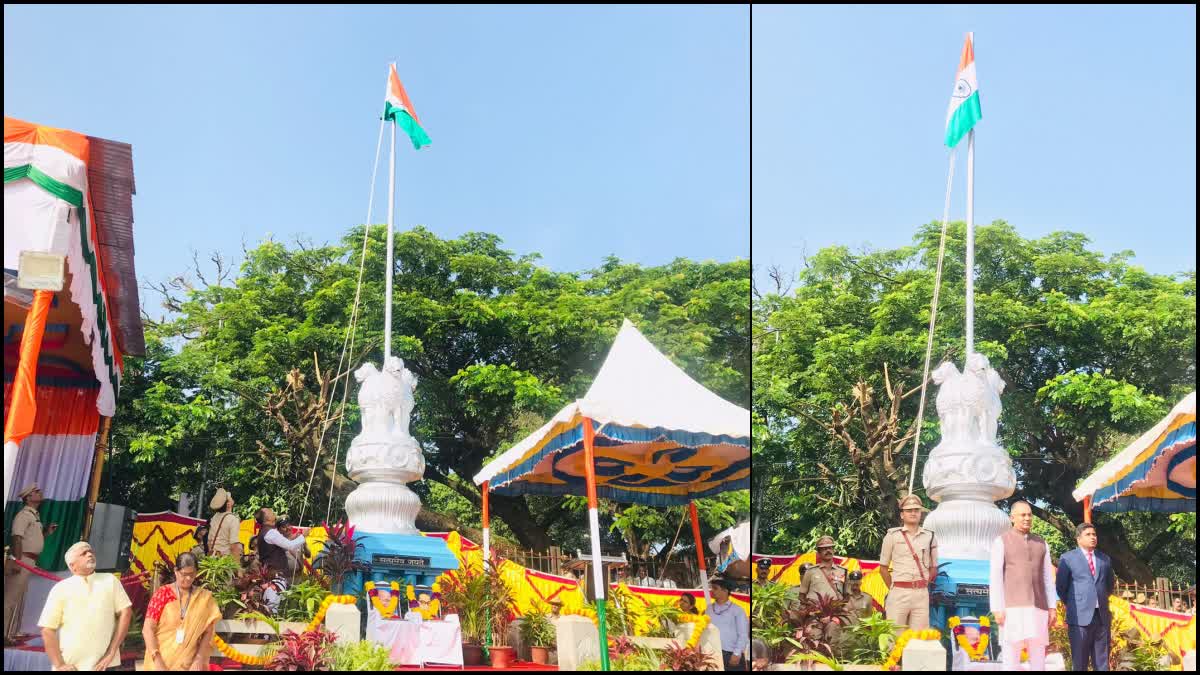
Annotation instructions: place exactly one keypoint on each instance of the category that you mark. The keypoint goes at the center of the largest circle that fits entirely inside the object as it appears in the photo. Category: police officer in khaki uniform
(911, 551)
(859, 604)
(825, 578)
(28, 540)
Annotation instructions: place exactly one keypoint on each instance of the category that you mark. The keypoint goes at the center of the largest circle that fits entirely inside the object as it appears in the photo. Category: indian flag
(399, 109)
(964, 102)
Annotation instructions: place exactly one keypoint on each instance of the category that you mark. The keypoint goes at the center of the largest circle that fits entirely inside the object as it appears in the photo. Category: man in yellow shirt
(86, 616)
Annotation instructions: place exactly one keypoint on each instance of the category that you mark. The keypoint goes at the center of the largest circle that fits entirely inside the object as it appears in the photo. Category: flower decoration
(893, 659)
(699, 623)
(389, 610)
(977, 650)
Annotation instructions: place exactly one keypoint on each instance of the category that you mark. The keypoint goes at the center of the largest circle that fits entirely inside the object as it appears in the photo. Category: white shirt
(274, 537)
(1021, 623)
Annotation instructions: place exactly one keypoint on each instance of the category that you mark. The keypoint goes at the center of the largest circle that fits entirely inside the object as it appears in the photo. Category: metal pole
(387, 307)
(97, 470)
(589, 461)
(203, 480)
(700, 554)
(970, 242)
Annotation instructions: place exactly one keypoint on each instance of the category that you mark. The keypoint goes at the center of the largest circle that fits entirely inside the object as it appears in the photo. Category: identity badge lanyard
(182, 613)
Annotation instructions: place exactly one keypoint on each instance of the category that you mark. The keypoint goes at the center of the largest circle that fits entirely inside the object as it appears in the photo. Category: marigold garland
(699, 623)
(893, 659)
(977, 651)
(388, 611)
(245, 659)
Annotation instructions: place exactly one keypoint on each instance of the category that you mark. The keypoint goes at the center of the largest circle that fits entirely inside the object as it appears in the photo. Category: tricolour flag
(964, 102)
(399, 109)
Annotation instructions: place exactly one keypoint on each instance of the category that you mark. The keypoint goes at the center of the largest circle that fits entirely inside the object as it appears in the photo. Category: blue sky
(572, 132)
(1089, 125)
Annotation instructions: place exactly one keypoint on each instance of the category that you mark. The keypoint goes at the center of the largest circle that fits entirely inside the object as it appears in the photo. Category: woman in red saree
(180, 622)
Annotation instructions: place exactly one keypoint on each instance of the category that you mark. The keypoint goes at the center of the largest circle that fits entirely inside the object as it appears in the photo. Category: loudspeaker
(112, 536)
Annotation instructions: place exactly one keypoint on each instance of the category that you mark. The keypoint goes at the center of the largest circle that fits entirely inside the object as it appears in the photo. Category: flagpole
(970, 243)
(387, 307)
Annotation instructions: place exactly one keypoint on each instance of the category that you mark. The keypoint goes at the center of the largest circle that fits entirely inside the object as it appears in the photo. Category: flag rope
(937, 285)
(347, 345)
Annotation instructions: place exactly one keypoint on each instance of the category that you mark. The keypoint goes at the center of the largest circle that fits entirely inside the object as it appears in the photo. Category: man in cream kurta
(1022, 594)
(86, 616)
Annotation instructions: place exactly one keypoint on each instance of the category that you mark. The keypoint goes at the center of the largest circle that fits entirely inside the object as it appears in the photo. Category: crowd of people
(181, 617)
(1025, 587)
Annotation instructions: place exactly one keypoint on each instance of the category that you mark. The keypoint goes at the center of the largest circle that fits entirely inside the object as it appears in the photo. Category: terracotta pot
(502, 657)
(540, 655)
(472, 654)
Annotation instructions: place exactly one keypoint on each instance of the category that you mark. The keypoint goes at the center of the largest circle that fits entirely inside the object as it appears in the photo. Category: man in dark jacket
(1084, 582)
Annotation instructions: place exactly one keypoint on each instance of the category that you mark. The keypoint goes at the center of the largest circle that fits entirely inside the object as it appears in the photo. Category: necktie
(1091, 564)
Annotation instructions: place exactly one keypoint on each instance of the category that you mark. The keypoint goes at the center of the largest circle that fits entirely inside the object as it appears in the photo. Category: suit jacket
(1080, 591)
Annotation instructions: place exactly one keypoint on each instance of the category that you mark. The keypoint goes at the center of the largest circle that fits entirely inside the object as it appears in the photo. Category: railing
(1161, 595)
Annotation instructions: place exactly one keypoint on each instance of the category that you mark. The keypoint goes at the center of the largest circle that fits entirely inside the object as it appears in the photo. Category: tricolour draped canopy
(662, 439)
(1157, 472)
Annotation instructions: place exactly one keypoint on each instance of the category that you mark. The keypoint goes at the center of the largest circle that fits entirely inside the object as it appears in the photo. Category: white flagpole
(970, 242)
(387, 308)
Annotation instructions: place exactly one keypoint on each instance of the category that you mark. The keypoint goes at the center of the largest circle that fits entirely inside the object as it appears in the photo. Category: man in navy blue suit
(1084, 582)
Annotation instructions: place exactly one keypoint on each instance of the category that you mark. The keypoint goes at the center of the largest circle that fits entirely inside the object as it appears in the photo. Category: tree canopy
(242, 386)
(1094, 350)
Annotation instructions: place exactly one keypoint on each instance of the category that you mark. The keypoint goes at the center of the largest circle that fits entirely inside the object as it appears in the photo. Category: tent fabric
(46, 207)
(58, 456)
(1157, 472)
(739, 538)
(661, 438)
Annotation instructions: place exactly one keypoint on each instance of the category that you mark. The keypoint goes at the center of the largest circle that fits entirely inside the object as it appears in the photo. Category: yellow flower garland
(898, 651)
(975, 653)
(245, 659)
(390, 610)
(699, 623)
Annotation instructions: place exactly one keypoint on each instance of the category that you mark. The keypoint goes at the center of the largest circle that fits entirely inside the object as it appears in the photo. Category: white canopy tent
(660, 438)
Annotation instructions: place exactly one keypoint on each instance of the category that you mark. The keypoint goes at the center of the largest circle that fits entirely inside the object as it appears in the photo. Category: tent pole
(22, 411)
(1087, 509)
(487, 540)
(700, 553)
(589, 461)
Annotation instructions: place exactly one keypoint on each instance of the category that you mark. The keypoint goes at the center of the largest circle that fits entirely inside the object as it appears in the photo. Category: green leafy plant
(217, 571)
(501, 603)
(683, 659)
(870, 641)
(309, 651)
(134, 642)
(662, 614)
(337, 558)
(251, 585)
(361, 655)
(465, 593)
(259, 616)
(619, 615)
(628, 658)
(301, 601)
(828, 661)
(536, 628)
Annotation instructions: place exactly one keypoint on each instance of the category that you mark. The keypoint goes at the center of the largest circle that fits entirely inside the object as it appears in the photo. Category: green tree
(245, 373)
(1093, 349)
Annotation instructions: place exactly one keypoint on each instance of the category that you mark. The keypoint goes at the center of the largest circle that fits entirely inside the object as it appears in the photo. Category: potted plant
(501, 606)
(337, 558)
(537, 631)
(465, 593)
